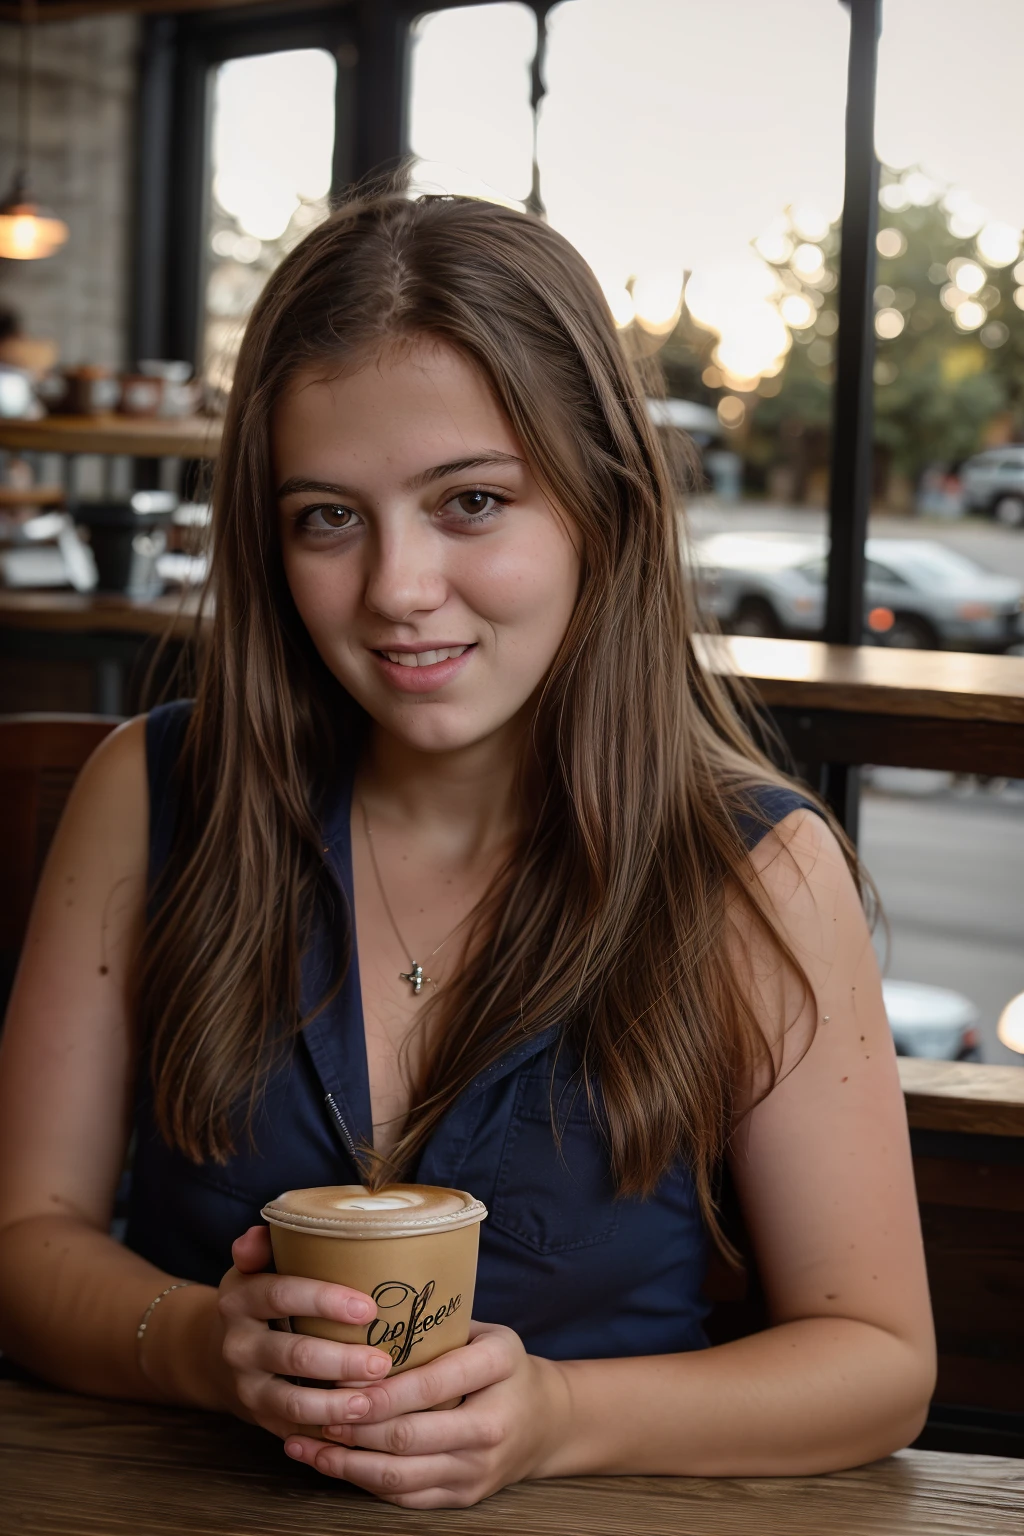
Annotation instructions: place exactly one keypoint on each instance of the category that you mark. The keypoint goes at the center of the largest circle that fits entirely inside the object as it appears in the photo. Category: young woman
(459, 869)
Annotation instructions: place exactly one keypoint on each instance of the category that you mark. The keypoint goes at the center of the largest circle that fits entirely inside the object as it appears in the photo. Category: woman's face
(434, 577)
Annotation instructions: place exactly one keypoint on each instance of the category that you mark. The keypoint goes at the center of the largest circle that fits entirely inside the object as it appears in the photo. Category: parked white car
(993, 483)
(918, 593)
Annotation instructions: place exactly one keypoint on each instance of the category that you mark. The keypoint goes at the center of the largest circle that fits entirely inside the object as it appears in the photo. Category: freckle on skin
(104, 970)
(831, 1295)
(844, 1079)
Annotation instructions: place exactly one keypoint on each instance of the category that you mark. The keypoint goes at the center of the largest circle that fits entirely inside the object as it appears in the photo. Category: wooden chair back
(40, 758)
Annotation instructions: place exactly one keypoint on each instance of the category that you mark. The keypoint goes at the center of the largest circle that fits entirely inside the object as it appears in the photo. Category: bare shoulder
(110, 800)
(801, 882)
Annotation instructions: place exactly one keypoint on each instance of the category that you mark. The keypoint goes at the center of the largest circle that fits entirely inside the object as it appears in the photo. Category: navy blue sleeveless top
(577, 1272)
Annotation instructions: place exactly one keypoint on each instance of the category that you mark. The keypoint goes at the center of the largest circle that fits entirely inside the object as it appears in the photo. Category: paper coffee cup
(411, 1247)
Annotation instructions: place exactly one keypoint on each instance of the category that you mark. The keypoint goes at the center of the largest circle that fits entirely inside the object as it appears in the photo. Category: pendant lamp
(27, 232)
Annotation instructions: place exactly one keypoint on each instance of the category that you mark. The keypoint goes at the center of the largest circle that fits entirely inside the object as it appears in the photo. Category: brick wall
(82, 167)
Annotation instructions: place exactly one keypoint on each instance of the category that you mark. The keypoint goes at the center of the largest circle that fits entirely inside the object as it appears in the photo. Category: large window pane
(272, 151)
(947, 853)
(694, 154)
(470, 122)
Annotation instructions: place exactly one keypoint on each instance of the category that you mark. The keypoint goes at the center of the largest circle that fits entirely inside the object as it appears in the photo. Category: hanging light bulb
(27, 232)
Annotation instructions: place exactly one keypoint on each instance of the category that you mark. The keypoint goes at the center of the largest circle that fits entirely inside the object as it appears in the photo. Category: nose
(404, 575)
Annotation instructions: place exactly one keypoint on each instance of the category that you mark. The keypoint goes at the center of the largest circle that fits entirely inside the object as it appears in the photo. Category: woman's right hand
(259, 1359)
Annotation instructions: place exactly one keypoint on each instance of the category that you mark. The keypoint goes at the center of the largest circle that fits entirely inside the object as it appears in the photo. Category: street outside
(946, 855)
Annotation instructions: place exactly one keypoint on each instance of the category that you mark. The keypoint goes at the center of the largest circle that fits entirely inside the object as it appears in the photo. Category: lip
(423, 679)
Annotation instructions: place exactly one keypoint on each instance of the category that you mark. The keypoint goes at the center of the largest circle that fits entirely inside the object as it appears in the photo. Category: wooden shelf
(34, 496)
(62, 612)
(149, 437)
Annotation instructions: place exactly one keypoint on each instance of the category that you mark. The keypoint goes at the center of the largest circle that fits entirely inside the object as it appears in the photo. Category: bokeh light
(808, 260)
(894, 197)
(774, 245)
(1010, 1028)
(967, 275)
(731, 411)
(890, 243)
(999, 244)
(797, 311)
(970, 315)
(921, 190)
(995, 334)
(888, 324)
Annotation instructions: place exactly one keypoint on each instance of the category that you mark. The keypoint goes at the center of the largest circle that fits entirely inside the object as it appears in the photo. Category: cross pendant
(414, 977)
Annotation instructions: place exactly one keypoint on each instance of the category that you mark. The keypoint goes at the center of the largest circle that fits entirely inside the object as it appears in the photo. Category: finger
(469, 1369)
(266, 1296)
(420, 1434)
(387, 1476)
(274, 1398)
(255, 1348)
(252, 1252)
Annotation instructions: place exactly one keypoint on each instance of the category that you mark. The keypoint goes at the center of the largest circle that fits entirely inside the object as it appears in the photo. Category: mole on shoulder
(104, 969)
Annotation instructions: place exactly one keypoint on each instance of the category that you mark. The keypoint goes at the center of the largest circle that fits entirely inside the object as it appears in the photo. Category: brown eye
(473, 502)
(324, 517)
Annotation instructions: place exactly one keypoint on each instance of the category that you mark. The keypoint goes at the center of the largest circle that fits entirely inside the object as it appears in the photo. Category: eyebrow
(297, 483)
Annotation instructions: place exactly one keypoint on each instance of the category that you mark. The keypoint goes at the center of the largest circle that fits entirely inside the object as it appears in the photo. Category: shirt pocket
(554, 1195)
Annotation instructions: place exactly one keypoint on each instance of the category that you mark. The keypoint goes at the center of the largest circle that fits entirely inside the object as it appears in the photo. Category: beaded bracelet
(179, 1285)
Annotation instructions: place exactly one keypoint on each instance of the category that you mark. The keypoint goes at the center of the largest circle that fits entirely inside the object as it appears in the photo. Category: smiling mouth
(424, 658)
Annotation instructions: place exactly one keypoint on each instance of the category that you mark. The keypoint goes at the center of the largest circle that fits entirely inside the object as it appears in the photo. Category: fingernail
(293, 1448)
(357, 1406)
(378, 1364)
(360, 1310)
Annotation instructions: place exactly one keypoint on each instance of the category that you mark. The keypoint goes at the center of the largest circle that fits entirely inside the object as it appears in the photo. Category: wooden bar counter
(76, 1466)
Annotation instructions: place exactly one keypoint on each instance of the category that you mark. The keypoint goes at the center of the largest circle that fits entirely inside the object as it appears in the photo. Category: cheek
(324, 590)
(527, 585)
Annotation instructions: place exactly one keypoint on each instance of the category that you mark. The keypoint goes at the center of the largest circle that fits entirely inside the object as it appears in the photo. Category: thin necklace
(414, 975)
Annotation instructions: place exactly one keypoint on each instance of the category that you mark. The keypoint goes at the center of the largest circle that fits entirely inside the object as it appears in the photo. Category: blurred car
(931, 1021)
(993, 483)
(918, 593)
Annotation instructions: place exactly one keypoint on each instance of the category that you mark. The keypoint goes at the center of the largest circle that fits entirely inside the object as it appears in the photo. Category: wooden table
(75, 1466)
(140, 437)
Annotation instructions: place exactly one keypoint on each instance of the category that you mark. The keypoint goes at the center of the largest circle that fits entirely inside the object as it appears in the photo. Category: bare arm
(71, 1297)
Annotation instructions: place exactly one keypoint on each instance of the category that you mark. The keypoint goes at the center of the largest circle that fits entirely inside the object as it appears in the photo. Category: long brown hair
(611, 917)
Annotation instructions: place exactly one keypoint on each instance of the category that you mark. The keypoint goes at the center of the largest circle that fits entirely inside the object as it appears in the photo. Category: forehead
(399, 410)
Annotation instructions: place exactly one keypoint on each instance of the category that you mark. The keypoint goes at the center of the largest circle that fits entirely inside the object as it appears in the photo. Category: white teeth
(423, 658)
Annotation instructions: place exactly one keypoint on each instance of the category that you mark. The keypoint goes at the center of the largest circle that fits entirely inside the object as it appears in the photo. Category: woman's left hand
(514, 1416)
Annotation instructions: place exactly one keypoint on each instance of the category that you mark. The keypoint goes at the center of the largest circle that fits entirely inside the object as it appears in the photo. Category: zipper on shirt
(341, 1127)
